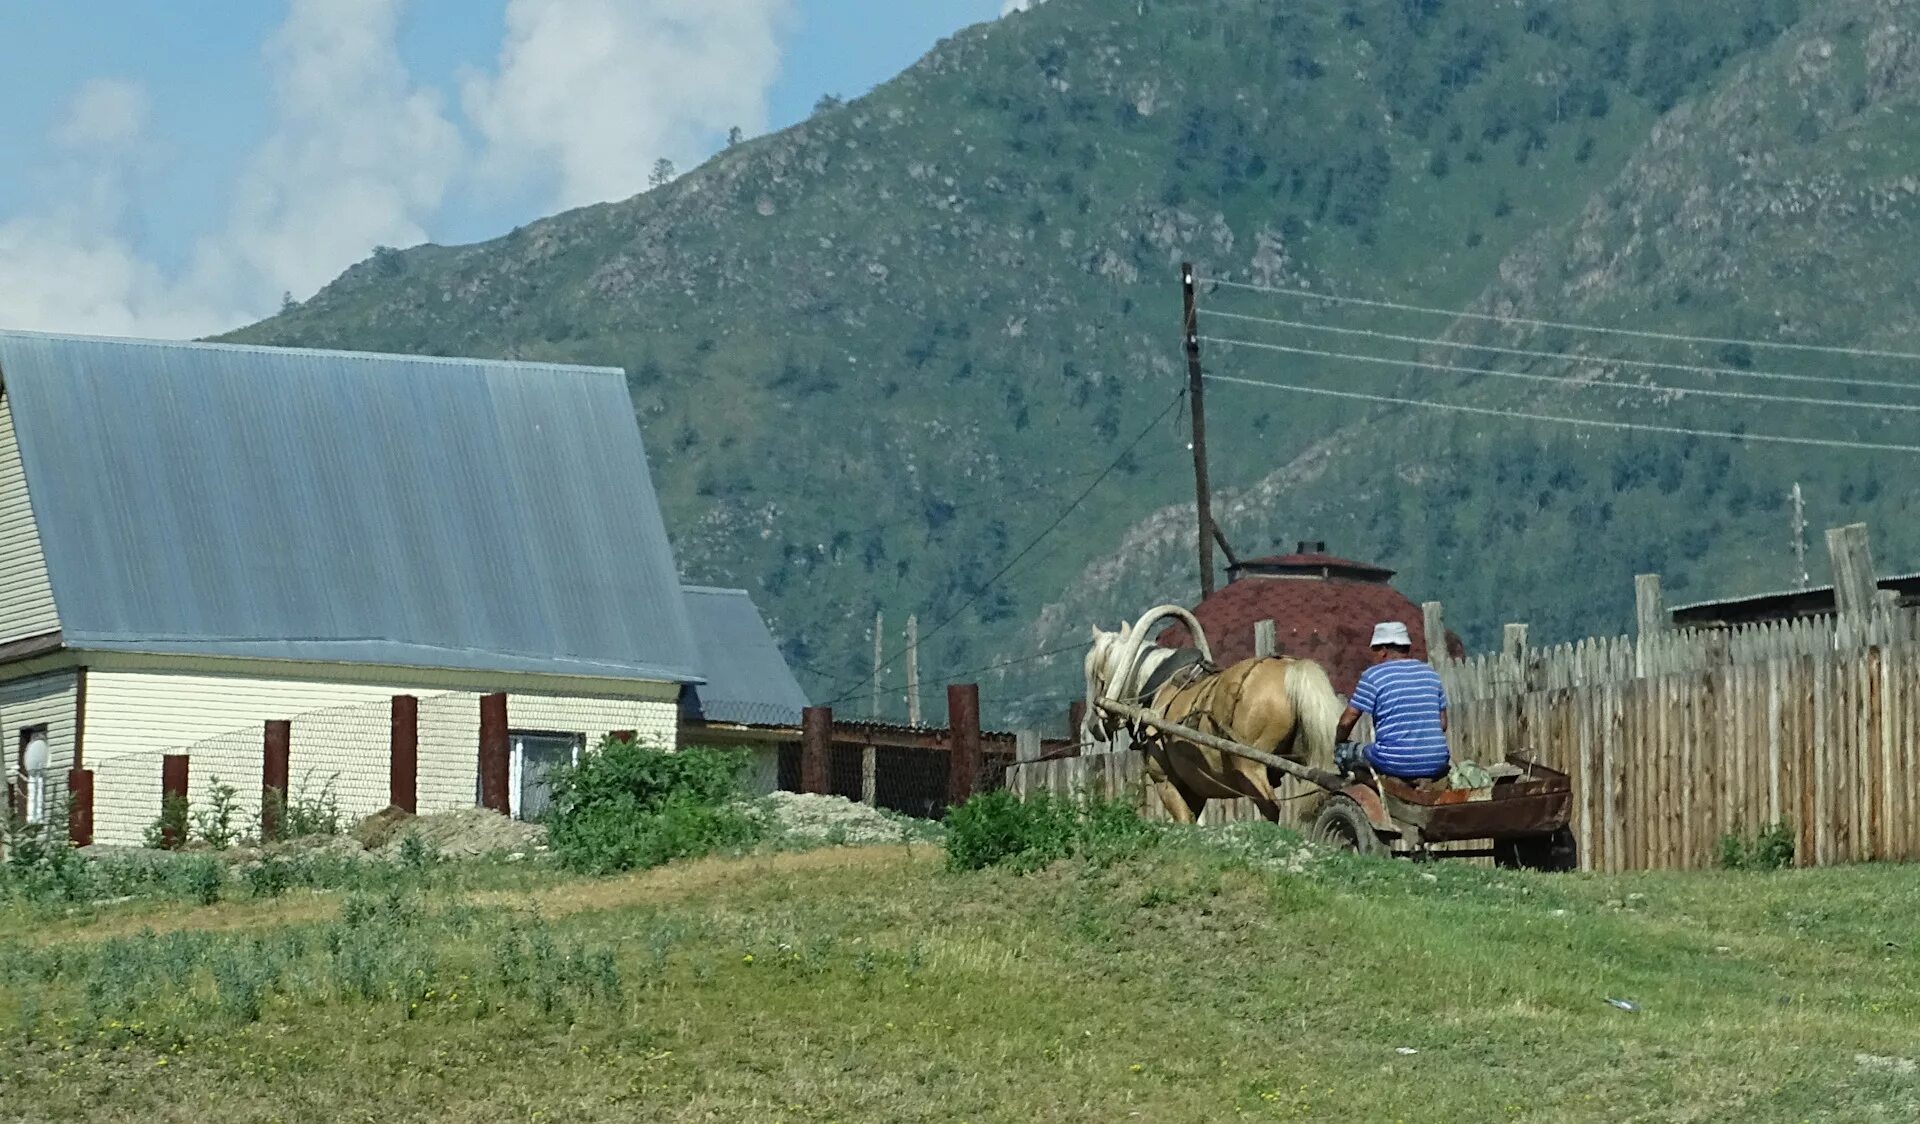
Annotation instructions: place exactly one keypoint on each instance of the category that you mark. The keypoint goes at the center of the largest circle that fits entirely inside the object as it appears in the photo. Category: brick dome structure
(1323, 608)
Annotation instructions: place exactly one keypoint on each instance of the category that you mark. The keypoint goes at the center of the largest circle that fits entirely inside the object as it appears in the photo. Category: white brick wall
(340, 730)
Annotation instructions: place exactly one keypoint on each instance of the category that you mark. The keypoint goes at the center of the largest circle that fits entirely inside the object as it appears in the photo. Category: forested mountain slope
(878, 354)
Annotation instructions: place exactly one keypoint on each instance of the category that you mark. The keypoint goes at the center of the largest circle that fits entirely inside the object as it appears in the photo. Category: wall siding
(44, 700)
(26, 596)
(340, 733)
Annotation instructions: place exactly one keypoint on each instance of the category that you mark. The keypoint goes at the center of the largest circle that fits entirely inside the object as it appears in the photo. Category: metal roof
(221, 500)
(1903, 583)
(747, 680)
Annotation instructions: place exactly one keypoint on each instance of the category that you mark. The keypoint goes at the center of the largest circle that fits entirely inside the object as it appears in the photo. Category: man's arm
(1443, 721)
(1349, 719)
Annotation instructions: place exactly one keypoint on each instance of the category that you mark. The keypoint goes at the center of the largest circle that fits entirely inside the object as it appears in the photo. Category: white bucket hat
(1391, 632)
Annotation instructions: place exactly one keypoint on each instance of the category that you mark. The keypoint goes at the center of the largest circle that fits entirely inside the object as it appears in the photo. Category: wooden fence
(1674, 741)
(1113, 776)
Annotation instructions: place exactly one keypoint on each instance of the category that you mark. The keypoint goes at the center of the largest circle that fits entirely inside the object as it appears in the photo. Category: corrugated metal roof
(1895, 582)
(747, 679)
(220, 500)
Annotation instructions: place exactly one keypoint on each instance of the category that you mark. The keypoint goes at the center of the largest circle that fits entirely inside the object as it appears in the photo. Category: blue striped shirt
(1405, 699)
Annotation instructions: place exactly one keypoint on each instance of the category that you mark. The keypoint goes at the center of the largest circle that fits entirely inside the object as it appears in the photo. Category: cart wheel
(1555, 852)
(1342, 824)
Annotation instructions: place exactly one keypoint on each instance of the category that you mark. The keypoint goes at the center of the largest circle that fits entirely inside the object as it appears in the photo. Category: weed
(215, 823)
(170, 830)
(1771, 849)
(999, 829)
(203, 877)
(415, 854)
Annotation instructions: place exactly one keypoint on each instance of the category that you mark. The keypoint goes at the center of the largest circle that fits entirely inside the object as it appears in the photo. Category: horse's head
(1101, 667)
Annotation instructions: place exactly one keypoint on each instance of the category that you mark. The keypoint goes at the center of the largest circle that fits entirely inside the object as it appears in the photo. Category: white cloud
(592, 92)
(585, 95)
(107, 112)
(358, 157)
(1008, 7)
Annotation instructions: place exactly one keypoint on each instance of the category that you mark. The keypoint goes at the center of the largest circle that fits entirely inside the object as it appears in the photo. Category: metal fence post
(276, 749)
(963, 742)
(494, 754)
(403, 754)
(80, 807)
(173, 783)
(816, 749)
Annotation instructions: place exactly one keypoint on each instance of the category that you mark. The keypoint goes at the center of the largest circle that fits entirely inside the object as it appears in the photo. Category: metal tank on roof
(1323, 608)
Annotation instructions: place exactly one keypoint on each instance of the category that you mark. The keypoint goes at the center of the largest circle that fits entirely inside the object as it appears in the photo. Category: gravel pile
(466, 832)
(803, 819)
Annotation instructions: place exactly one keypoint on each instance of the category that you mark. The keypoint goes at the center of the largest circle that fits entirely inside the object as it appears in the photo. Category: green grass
(1193, 982)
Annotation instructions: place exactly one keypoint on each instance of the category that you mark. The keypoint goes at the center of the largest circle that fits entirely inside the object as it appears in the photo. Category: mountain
(878, 355)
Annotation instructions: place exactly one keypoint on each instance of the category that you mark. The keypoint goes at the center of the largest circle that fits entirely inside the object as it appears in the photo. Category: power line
(1575, 384)
(1496, 318)
(1596, 423)
(1691, 368)
(1041, 537)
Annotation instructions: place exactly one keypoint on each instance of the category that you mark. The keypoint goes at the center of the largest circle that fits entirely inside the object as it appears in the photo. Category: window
(33, 773)
(534, 755)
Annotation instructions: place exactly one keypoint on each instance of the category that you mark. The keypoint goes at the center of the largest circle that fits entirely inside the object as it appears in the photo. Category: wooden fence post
(1433, 630)
(1853, 577)
(173, 783)
(1076, 719)
(276, 751)
(1513, 640)
(1265, 643)
(816, 749)
(403, 754)
(1026, 745)
(495, 756)
(80, 807)
(963, 742)
(1649, 607)
(870, 776)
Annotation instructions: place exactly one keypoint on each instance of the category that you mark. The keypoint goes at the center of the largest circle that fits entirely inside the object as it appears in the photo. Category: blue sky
(173, 176)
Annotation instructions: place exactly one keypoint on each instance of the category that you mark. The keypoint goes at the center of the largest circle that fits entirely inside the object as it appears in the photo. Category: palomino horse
(1285, 707)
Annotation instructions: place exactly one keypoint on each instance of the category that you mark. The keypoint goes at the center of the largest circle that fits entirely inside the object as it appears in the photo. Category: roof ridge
(332, 353)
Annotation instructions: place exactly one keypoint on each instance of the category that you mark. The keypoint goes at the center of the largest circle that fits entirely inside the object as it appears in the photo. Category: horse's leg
(1179, 807)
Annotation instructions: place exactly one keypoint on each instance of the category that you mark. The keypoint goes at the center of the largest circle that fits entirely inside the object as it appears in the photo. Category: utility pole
(1196, 396)
(913, 671)
(1799, 539)
(879, 634)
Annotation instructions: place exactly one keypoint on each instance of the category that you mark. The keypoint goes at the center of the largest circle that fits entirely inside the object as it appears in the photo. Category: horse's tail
(1316, 710)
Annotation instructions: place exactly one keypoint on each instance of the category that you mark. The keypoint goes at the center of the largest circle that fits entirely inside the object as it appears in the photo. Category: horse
(1282, 706)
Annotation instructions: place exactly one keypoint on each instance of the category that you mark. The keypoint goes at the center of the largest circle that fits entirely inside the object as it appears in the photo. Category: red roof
(1326, 620)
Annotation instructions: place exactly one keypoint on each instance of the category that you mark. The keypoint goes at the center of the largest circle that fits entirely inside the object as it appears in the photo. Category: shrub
(627, 806)
(998, 829)
(1771, 849)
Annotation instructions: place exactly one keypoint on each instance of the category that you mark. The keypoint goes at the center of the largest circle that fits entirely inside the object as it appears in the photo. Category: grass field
(1200, 980)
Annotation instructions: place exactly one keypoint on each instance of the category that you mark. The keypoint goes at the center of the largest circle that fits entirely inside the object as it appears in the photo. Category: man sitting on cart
(1408, 705)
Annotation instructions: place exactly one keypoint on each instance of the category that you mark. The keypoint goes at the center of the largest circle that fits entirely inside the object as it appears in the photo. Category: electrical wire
(1571, 383)
(1570, 357)
(1496, 318)
(1595, 423)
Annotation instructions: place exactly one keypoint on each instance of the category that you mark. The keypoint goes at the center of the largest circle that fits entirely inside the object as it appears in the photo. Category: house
(197, 538)
(1323, 608)
(749, 697)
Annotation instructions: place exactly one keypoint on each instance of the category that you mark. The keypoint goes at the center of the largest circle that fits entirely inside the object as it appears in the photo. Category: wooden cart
(1522, 815)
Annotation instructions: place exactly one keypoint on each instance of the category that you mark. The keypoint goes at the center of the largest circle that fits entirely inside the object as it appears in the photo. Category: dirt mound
(465, 832)
(804, 819)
